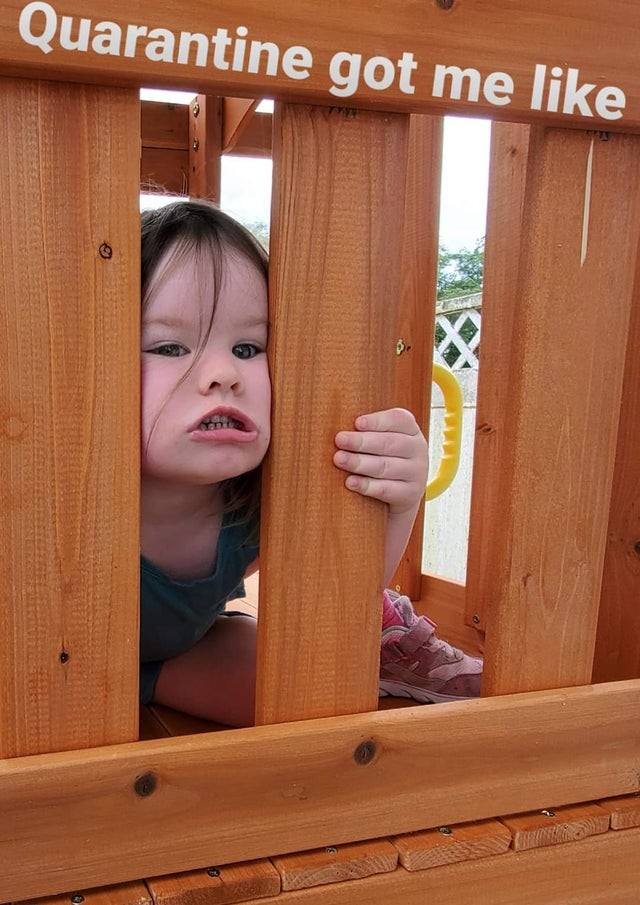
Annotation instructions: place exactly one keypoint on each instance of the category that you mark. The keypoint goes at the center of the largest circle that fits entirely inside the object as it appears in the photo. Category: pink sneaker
(414, 663)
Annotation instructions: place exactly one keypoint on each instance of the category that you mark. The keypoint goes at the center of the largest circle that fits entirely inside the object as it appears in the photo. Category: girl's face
(205, 408)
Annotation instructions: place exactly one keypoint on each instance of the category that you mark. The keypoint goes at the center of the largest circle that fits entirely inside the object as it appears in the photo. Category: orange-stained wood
(124, 894)
(623, 811)
(554, 826)
(332, 864)
(360, 54)
(237, 113)
(247, 880)
(416, 321)
(336, 244)
(205, 147)
(507, 172)
(617, 653)
(294, 779)
(559, 447)
(448, 844)
(69, 454)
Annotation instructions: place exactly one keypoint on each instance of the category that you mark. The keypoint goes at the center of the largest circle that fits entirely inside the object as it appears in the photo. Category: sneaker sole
(399, 690)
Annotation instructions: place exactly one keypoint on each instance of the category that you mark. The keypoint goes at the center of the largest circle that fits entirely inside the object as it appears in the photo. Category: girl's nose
(219, 371)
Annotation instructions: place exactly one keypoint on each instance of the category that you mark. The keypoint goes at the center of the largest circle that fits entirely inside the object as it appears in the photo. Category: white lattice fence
(458, 332)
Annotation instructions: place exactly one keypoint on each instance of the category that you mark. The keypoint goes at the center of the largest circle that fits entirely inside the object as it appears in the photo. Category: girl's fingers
(392, 492)
(393, 420)
(380, 444)
(374, 466)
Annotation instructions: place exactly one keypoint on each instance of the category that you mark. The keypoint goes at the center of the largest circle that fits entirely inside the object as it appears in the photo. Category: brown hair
(199, 229)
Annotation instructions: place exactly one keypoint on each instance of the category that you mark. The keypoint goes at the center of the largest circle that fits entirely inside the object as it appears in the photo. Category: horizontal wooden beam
(523, 60)
(105, 815)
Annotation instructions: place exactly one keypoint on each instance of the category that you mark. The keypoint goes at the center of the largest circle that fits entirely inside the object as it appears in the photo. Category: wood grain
(500, 301)
(553, 826)
(205, 147)
(623, 811)
(334, 864)
(249, 793)
(249, 880)
(446, 845)
(560, 440)
(69, 401)
(416, 315)
(334, 289)
(491, 36)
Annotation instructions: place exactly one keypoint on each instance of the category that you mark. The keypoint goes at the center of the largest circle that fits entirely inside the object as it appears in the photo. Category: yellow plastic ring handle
(451, 434)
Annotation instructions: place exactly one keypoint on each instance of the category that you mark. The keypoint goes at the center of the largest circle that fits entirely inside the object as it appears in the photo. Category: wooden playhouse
(528, 795)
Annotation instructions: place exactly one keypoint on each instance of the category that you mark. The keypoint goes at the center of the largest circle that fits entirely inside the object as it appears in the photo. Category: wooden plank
(124, 894)
(205, 141)
(601, 870)
(392, 55)
(336, 241)
(164, 171)
(623, 811)
(276, 789)
(416, 320)
(256, 139)
(443, 600)
(553, 826)
(507, 177)
(69, 289)
(217, 885)
(237, 113)
(449, 844)
(560, 440)
(617, 650)
(333, 864)
(164, 125)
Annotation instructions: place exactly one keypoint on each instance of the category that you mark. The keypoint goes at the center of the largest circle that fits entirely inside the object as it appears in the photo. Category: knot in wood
(364, 753)
(145, 785)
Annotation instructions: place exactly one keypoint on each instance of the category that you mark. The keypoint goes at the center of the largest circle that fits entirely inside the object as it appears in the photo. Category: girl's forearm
(399, 527)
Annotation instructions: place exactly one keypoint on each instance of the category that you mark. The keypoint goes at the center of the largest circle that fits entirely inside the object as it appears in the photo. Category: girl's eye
(172, 350)
(245, 350)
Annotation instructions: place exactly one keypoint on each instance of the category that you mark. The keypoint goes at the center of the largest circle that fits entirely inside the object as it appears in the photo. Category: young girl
(206, 398)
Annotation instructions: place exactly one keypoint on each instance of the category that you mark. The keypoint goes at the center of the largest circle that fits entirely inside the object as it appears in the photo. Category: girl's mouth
(219, 422)
(225, 424)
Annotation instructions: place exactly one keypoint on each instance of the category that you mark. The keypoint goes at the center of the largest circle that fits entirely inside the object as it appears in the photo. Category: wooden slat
(256, 139)
(315, 46)
(449, 844)
(217, 886)
(69, 290)
(164, 171)
(124, 894)
(416, 321)
(279, 788)
(443, 600)
(552, 826)
(205, 141)
(507, 174)
(617, 651)
(301, 870)
(237, 113)
(164, 125)
(334, 285)
(623, 811)
(603, 870)
(578, 247)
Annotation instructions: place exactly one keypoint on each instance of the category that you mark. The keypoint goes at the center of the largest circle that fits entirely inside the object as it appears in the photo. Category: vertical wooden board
(578, 250)
(69, 290)
(617, 651)
(340, 178)
(416, 318)
(205, 147)
(239, 882)
(507, 173)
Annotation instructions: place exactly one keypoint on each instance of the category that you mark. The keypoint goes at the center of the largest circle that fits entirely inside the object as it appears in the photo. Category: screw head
(331, 850)
(213, 871)
(77, 898)
(547, 812)
(475, 619)
(445, 830)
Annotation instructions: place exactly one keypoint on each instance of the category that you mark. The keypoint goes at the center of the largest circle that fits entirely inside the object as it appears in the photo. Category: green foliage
(460, 272)
(260, 230)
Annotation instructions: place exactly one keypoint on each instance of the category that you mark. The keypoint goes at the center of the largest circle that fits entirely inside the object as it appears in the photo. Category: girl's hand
(387, 458)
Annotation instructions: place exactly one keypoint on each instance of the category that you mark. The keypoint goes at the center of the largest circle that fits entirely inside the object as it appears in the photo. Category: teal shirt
(174, 615)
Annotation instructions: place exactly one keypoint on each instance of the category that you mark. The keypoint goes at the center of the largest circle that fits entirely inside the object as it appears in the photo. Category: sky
(246, 181)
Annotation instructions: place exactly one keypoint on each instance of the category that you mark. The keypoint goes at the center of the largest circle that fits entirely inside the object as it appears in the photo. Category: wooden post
(340, 178)
(507, 176)
(205, 147)
(69, 293)
(575, 284)
(416, 321)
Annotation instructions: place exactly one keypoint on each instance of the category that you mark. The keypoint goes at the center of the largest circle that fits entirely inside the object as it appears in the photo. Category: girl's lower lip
(224, 435)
